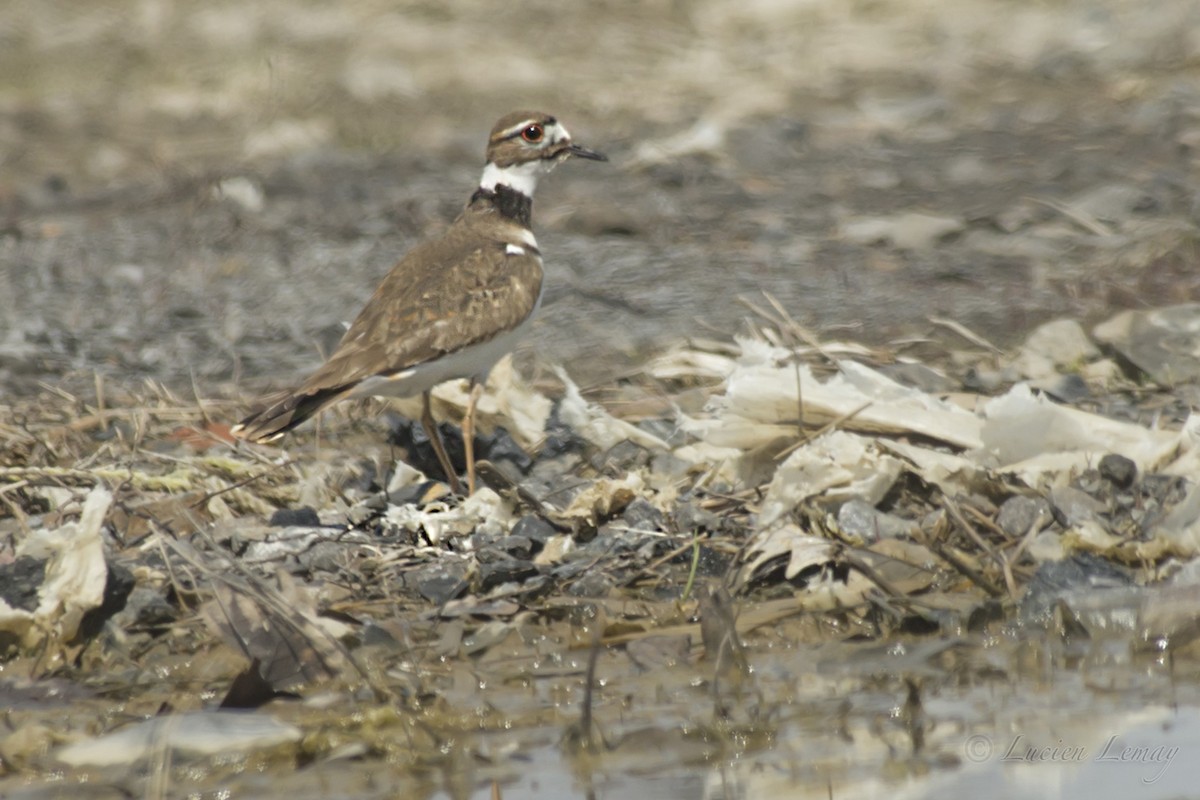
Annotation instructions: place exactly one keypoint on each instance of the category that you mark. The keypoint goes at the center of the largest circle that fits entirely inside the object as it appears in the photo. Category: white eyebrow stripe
(514, 250)
(515, 129)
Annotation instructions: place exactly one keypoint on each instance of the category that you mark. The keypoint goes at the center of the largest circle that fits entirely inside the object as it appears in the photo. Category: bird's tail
(282, 412)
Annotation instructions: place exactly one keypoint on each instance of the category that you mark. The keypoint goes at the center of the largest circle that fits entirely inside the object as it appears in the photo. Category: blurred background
(201, 193)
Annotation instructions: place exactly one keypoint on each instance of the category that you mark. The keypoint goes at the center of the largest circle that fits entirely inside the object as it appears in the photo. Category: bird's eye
(533, 134)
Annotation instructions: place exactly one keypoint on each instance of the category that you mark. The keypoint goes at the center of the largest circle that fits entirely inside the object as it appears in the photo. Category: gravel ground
(202, 195)
(657, 603)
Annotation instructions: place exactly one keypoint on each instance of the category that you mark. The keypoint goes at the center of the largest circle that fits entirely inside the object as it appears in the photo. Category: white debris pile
(824, 441)
(767, 395)
(75, 573)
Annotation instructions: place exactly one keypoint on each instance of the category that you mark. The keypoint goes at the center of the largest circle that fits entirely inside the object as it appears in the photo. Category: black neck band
(508, 201)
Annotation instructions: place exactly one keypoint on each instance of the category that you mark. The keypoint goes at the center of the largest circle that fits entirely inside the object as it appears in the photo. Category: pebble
(20, 581)
(594, 584)
(624, 456)
(1118, 469)
(690, 517)
(1075, 506)
(146, 607)
(417, 494)
(519, 547)
(534, 529)
(712, 563)
(504, 570)
(1055, 579)
(1166, 489)
(860, 519)
(305, 516)
(503, 449)
(1066, 388)
(1162, 342)
(641, 515)
(1061, 343)
(439, 582)
(1019, 513)
(560, 439)
(325, 557)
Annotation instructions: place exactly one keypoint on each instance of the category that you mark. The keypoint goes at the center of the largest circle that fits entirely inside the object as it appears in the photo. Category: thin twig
(966, 333)
(979, 541)
(1077, 215)
(828, 426)
(971, 575)
(691, 580)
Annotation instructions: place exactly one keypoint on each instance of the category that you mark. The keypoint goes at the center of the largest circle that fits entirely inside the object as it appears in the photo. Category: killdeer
(453, 306)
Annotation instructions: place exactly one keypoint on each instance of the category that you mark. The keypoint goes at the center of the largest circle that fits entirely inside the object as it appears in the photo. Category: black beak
(583, 152)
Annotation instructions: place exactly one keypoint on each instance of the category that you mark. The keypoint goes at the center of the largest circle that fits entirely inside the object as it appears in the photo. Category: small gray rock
(1068, 388)
(1166, 489)
(535, 529)
(1060, 343)
(861, 519)
(415, 494)
(518, 547)
(569, 569)
(146, 608)
(439, 583)
(622, 457)
(20, 581)
(504, 570)
(1074, 506)
(1082, 572)
(1162, 342)
(691, 517)
(503, 449)
(325, 557)
(480, 542)
(1118, 469)
(641, 515)
(305, 516)
(1020, 513)
(594, 584)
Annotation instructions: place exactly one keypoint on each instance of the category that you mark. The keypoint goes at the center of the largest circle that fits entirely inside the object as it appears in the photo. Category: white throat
(521, 178)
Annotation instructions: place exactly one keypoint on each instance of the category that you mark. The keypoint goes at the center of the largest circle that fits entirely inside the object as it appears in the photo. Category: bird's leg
(435, 439)
(468, 434)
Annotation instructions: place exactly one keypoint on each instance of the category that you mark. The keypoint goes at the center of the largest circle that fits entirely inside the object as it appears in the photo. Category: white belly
(471, 362)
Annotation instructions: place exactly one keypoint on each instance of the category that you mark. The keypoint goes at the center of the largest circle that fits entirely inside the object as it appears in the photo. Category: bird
(453, 305)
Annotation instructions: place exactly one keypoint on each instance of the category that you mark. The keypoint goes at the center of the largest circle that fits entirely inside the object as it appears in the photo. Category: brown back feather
(471, 293)
(417, 315)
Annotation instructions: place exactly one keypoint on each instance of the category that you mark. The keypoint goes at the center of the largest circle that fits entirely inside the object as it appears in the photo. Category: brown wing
(418, 314)
(445, 295)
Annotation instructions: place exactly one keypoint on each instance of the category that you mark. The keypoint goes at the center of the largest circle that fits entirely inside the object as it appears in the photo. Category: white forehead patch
(558, 133)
